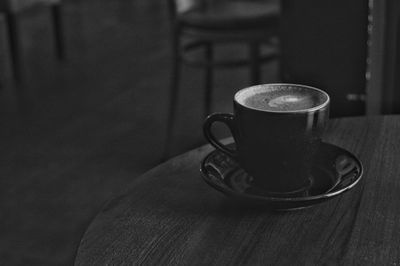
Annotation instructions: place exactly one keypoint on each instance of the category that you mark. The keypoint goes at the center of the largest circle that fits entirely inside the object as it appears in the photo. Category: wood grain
(169, 216)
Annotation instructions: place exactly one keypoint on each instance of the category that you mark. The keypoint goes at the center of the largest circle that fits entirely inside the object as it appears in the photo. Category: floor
(74, 133)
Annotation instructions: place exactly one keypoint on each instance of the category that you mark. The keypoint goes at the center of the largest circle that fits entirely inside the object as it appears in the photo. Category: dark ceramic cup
(277, 129)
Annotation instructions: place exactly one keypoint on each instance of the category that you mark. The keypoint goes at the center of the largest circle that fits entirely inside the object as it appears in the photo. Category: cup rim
(312, 109)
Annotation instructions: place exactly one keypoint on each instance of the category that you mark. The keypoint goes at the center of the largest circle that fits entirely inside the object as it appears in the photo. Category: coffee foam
(281, 97)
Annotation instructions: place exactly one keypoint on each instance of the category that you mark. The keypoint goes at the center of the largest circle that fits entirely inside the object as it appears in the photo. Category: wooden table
(170, 216)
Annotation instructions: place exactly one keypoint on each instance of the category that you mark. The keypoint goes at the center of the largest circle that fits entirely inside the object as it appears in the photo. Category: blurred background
(86, 89)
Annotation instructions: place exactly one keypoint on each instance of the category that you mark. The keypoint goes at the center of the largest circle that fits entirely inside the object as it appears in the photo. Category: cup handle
(227, 119)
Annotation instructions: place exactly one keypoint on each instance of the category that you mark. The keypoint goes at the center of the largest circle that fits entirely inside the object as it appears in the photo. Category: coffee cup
(277, 129)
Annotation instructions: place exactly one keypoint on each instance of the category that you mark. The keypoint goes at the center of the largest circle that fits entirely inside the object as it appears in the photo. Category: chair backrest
(182, 6)
(186, 5)
(17, 5)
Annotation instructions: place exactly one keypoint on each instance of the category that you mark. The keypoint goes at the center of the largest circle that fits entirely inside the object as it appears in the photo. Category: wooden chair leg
(58, 30)
(255, 63)
(15, 48)
(208, 80)
(173, 96)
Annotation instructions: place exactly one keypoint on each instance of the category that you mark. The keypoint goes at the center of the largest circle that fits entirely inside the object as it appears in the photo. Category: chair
(201, 24)
(12, 9)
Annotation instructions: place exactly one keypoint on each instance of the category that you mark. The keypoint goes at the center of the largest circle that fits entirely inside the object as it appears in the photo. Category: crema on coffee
(281, 97)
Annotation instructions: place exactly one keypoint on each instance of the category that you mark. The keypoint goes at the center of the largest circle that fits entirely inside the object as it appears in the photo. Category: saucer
(334, 172)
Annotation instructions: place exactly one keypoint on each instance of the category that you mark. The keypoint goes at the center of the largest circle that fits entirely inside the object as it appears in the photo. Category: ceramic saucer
(335, 171)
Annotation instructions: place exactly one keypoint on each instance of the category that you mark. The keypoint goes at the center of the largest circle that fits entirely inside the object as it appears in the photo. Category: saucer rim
(332, 193)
